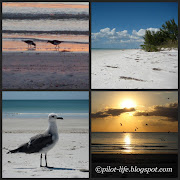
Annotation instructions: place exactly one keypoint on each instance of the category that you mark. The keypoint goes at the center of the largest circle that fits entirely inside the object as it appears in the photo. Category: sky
(147, 111)
(122, 25)
(44, 95)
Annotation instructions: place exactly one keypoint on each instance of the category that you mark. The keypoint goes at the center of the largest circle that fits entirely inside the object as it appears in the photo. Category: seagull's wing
(36, 144)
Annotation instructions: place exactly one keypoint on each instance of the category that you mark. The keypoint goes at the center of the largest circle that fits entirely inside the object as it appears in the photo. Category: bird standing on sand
(41, 143)
(55, 42)
(30, 43)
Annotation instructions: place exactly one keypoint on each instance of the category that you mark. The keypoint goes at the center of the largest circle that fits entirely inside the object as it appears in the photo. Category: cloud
(142, 32)
(169, 111)
(111, 112)
(107, 36)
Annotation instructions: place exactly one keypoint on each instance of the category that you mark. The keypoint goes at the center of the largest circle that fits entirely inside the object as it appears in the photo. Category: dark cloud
(170, 111)
(111, 112)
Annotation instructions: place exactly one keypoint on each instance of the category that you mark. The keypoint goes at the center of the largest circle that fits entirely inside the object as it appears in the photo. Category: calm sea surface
(42, 21)
(41, 108)
(134, 143)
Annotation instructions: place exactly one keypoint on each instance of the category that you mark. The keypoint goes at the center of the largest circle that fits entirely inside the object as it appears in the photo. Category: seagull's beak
(59, 118)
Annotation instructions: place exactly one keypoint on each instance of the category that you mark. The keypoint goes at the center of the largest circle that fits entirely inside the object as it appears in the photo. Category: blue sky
(44, 95)
(122, 25)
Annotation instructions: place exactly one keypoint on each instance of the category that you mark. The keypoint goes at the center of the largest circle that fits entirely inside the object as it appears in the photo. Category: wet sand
(41, 70)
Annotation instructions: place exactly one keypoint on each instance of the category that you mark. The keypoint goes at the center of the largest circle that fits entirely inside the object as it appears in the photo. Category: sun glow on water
(127, 140)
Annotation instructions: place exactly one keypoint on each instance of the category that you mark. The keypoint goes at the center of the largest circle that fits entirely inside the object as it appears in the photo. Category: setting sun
(128, 104)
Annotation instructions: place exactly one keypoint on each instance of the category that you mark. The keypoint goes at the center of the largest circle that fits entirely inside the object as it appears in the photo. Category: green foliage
(149, 48)
(170, 30)
(166, 37)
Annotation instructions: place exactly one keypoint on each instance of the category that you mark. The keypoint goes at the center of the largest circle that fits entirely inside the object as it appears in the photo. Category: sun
(128, 103)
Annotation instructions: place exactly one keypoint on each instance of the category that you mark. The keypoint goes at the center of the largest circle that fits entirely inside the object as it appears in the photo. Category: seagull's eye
(52, 116)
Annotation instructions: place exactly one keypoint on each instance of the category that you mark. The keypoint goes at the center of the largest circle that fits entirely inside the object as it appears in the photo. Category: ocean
(41, 108)
(43, 21)
(134, 143)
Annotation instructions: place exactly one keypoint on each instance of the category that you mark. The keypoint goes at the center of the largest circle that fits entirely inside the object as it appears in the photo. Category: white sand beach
(134, 69)
(69, 158)
(45, 70)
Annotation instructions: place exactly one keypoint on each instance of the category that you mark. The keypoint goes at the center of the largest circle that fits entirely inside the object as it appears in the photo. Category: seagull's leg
(41, 160)
(46, 160)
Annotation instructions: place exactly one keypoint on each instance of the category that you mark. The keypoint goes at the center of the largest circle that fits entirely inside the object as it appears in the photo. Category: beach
(138, 160)
(69, 158)
(45, 64)
(134, 69)
(45, 70)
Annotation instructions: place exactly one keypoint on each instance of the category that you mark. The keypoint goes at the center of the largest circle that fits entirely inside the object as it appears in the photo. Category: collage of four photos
(89, 89)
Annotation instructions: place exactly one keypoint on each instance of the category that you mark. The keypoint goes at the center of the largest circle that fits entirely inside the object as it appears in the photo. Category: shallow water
(40, 22)
(134, 143)
(41, 108)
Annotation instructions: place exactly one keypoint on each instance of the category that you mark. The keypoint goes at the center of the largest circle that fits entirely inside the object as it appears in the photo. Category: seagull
(30, 43)
(55, 42)
(41, 143)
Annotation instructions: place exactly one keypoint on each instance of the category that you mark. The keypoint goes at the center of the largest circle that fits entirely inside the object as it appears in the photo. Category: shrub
(166, 37)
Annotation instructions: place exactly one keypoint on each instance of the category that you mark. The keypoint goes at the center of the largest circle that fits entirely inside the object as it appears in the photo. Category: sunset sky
(134, 111)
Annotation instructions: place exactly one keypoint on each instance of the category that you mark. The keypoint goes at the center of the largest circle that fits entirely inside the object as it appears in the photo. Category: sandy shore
(69, 158)
(41, 70)
(135, 68)
(138, 160)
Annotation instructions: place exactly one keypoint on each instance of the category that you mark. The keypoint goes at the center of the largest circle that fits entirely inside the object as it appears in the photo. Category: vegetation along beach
(142, 54)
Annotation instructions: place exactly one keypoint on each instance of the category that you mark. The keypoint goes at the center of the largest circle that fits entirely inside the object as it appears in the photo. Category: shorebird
(121, 124)
(30, 43)
(41, 143)
(55, 42)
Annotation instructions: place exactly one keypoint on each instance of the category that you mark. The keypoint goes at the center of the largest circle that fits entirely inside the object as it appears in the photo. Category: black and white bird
(55, 42)
(41, 143)
(30, 43)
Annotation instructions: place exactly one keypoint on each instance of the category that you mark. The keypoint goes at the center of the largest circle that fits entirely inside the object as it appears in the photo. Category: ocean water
(42, 21)
(41, 108)
(134, 143)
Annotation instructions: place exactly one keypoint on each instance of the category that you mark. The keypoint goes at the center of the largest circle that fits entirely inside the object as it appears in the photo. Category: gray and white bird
(41, 143)
(55, 42)
(30, 43)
